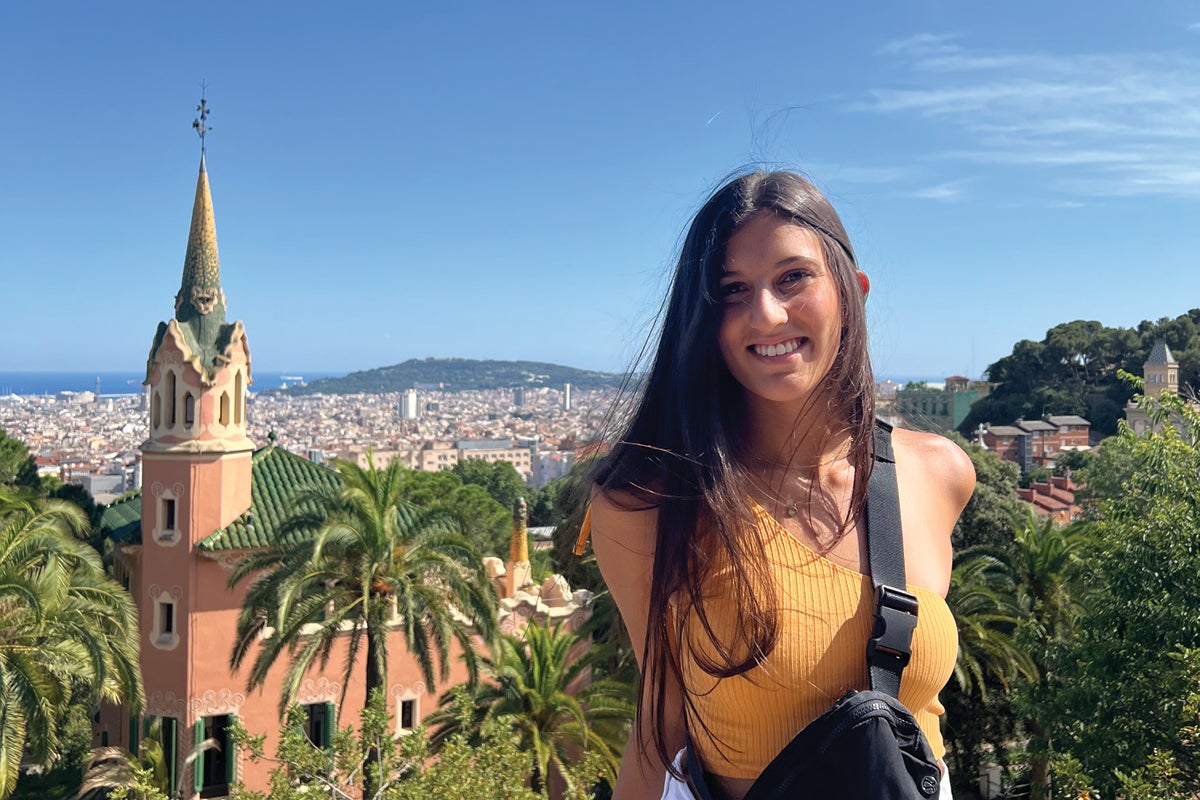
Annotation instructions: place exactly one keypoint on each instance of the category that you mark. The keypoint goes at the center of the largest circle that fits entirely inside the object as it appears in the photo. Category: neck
(790, 436)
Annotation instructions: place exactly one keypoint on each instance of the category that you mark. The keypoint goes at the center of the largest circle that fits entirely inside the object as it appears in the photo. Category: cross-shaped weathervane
(201, 123)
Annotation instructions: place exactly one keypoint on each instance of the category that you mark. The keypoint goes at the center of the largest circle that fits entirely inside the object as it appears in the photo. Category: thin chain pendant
(790, 511)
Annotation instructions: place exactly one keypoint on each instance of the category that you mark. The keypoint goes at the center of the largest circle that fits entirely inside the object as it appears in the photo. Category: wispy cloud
(947, 192)
(860, 173)
(1112, 124)
(1194, 27)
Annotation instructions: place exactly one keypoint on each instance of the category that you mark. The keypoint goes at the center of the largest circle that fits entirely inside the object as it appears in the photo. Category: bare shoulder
(942, 463)
(935, 479)
(620, 521)
(623, 534)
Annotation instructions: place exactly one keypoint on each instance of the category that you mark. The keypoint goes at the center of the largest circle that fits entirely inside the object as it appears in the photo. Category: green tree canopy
(1073, 370)
(65, 627)
(1122, 685)
(17, 467)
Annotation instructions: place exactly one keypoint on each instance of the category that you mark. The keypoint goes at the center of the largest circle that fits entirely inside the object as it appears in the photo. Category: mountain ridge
(458, 375)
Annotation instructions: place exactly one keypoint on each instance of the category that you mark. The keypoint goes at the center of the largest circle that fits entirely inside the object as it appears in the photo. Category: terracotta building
(210, 496)
(1036, 443)
(1054, 497)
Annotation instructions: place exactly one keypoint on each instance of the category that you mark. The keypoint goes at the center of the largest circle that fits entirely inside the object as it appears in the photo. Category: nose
(767, 309)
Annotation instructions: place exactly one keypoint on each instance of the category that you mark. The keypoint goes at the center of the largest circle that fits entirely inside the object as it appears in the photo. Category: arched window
(189, 410)
(156, 410)
(239, 398)
(224, 418)
(169, 391)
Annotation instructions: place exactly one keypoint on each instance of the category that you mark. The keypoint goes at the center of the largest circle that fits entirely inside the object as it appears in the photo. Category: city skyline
(477, 182)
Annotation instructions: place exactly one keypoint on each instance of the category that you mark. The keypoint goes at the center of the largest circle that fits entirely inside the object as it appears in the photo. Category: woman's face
(781, 322)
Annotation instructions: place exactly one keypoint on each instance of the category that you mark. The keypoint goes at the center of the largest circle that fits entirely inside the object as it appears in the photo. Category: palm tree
(146, 776)
(983, 598)
(64, 625)
(369, 562)
(1052, 588)
(541, 689)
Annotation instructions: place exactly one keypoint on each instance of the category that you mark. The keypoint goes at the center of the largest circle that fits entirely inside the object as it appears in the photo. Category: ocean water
(122, 382)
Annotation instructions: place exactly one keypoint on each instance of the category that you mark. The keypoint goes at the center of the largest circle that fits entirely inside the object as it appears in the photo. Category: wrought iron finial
(200, 123)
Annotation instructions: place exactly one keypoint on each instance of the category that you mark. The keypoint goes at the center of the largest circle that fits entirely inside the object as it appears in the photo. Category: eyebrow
(785, 262)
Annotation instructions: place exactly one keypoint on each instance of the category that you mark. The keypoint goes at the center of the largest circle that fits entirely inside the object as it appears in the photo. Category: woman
(728, 518)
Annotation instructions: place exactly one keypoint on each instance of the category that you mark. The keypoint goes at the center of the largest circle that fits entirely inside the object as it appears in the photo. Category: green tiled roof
(275, 477)
(122, 520)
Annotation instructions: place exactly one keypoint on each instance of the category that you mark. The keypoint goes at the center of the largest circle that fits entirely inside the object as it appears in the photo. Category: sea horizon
(52, 382)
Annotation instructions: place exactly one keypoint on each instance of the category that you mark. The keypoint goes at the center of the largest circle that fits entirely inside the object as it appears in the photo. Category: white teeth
(777, 349)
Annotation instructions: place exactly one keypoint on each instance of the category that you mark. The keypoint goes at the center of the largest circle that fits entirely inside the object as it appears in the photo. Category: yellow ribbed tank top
(826, 613)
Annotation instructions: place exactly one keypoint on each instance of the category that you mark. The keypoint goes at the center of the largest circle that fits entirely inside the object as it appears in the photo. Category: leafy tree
(1123, 674)
(65, 627)
(499, 478)
(988, 519)
(539, 686)
(487, 768)
(484, 522)
(1074, 463)
(370, 560)
(17, 467)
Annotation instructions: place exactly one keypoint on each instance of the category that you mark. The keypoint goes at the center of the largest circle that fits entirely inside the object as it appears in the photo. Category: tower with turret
(1160, 374)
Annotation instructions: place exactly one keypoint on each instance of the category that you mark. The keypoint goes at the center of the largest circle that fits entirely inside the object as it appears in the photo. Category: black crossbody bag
(867, 746)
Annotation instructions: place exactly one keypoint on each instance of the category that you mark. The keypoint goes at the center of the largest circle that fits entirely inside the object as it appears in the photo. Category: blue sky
(487, 180)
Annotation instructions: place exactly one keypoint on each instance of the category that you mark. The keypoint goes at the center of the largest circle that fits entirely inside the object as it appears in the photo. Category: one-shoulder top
(826, 612)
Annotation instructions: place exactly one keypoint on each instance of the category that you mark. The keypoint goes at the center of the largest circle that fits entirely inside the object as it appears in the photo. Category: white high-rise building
(408, 404)
(566, 397)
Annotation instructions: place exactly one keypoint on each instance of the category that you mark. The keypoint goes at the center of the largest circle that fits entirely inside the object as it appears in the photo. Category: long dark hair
(679, 451)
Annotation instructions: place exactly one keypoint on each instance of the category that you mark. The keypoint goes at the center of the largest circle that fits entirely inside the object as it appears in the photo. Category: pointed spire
(1161, 354)
(200, 303)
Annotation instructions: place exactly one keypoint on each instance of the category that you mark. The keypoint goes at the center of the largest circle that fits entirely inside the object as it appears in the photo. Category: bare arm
(935, 479)
(624, 545)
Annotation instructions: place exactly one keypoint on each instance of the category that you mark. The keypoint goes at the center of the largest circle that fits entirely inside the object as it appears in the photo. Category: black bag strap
(890, 645)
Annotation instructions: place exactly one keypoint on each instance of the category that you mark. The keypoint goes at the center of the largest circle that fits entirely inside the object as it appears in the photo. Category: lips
(780, 349)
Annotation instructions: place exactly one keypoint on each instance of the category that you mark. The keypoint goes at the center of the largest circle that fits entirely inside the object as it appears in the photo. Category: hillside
(457, 375)
(1074, 370)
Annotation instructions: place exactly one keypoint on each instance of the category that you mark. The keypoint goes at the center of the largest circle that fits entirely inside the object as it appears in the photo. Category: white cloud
(1122, 123)
(945, 192)
(859, 173)
(1194, 27)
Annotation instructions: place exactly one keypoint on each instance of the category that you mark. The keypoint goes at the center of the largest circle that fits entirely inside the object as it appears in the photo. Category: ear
(864, 282)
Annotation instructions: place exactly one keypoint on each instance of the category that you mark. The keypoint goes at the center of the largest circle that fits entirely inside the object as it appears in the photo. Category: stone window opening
(406, 715)
(169, 391)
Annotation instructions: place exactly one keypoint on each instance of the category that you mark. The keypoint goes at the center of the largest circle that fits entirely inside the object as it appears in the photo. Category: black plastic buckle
(895, 620)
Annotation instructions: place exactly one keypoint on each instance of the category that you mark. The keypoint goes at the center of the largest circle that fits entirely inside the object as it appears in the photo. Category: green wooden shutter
(198, 763)
(327, 734)
(133, 734)
(170, 735)
(228, 747)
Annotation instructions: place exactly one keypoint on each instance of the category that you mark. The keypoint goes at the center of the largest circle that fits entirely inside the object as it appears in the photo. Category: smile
(781, 349)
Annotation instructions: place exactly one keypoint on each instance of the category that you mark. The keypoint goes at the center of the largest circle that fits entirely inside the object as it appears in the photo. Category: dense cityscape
(93, 441)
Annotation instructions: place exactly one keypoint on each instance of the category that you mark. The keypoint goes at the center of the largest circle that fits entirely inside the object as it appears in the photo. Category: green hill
(1074, 370)
(458, 375)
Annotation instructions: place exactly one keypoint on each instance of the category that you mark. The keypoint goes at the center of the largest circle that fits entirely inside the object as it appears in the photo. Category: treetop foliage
(1073, 370)
(458, 375)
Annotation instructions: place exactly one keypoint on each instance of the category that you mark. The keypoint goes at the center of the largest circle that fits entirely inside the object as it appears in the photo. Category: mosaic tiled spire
(518, 547)
(200, 304)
